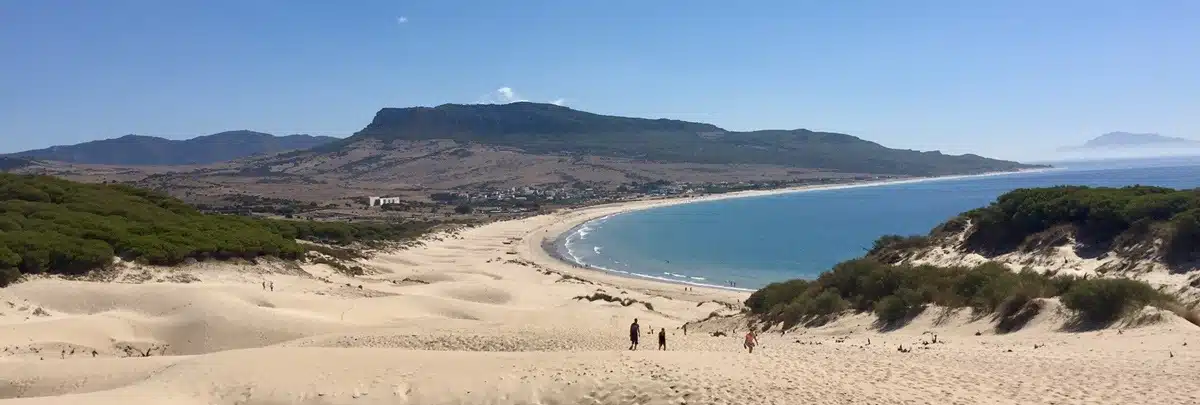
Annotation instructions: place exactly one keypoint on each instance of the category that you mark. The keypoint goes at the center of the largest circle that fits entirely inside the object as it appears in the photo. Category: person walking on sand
(634, 332)
(751, 341)
(662, 339)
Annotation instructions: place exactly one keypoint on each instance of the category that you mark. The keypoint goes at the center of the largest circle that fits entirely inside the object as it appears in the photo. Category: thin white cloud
(401, 20)
(505, 95)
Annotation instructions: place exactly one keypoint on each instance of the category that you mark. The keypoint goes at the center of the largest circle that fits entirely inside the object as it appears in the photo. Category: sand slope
(483, 316)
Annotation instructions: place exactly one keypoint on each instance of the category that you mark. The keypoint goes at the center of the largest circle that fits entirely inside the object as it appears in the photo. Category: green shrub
(774, 294)
(896, 292)
(1103, 301)
(1013, 304)
(892, 309)
(1100, 216)
(793, 313)
(902, 305)
(58, 226)
(8, 276)
(898, 242)
(1016, 312)
(8, 259)
(1183, 242)
(994, 291)
(828, 302)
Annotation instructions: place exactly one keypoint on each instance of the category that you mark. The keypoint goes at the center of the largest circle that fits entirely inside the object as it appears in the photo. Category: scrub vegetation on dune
(895, 293)
(1140, 222)
(1115, 219)
(50, 225)
(1134, 222)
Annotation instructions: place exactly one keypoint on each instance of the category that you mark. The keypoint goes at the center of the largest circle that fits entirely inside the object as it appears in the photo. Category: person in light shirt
(751, 340)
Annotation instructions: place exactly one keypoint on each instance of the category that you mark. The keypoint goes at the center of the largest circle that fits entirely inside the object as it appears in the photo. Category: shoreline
(554, 243)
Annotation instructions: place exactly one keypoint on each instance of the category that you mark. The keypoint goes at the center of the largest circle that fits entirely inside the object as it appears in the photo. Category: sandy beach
(486, 316)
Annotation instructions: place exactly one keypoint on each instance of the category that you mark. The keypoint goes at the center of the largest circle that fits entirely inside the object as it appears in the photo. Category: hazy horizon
(1054, 154)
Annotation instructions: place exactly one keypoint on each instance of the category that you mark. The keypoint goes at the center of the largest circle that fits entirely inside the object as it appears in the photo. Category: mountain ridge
(548, 129)
(143, 150)
(499, 146)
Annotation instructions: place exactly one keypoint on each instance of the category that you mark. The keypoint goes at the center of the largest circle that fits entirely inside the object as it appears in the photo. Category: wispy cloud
(401, 20)
(505, 95)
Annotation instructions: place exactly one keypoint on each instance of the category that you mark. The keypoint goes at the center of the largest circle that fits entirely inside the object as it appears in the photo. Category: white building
(381, 201)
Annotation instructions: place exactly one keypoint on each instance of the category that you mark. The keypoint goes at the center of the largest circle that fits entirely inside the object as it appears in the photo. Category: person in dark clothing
(634, 331)
(662, 339)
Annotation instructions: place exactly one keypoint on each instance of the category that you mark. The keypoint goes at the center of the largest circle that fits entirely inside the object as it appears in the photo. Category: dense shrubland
(1118, 219)
(895, 293)
(1126, 220)
(50, 225)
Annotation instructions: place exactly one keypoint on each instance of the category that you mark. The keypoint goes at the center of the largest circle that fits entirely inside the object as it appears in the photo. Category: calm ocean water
(758, 240)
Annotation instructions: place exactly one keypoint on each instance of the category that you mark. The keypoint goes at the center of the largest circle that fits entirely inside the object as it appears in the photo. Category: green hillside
(50, 225)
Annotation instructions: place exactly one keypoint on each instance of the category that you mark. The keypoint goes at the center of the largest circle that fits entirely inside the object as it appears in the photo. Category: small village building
(381, 201)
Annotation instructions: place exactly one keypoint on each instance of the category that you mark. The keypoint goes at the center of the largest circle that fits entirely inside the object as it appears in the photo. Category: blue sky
(1005, 78)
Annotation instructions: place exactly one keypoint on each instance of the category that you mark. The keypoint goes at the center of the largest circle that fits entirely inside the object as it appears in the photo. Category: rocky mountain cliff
(547, 129)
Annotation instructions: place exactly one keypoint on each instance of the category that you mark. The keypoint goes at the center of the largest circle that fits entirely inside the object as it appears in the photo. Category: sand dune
(459, 320)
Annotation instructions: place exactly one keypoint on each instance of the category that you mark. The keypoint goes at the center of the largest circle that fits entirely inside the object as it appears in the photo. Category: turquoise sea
(758, 240)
